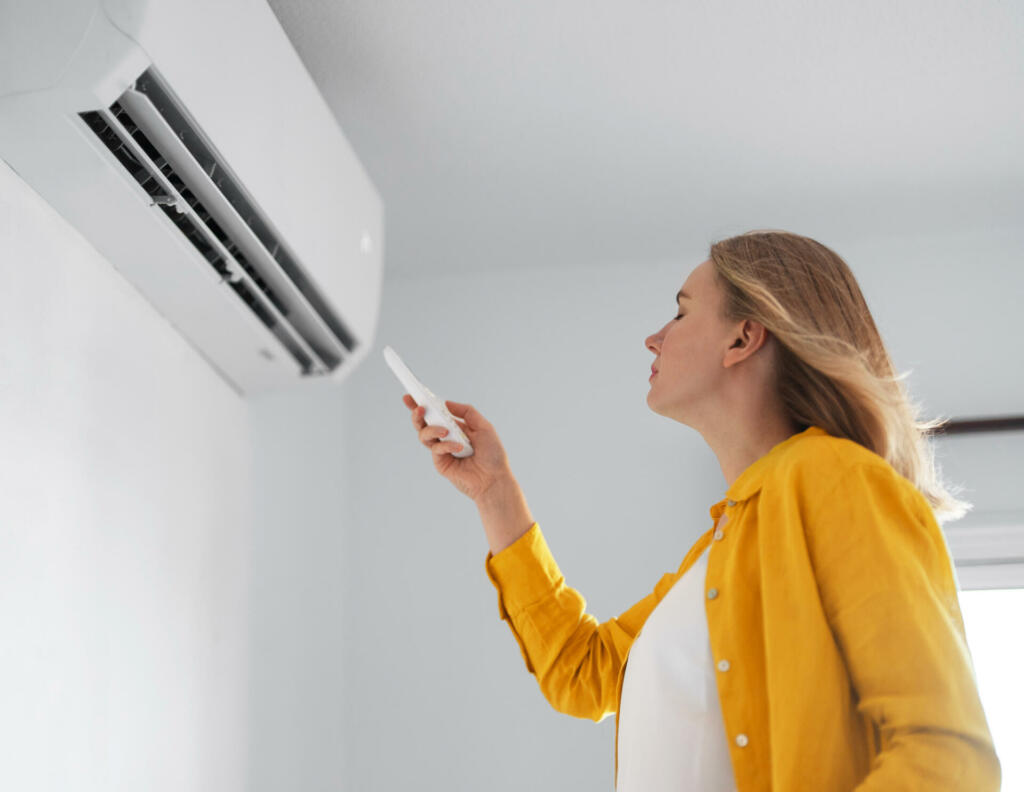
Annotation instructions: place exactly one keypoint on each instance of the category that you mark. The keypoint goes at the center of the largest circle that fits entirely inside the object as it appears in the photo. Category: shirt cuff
(523, 573)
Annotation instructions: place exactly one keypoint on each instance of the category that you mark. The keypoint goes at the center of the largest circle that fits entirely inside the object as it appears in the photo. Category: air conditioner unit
(186, 141)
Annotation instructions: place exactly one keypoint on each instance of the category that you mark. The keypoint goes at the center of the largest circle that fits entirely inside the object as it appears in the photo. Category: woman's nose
(653, 342)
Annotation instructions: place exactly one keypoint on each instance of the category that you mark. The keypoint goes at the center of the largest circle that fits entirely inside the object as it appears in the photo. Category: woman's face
(689, 351)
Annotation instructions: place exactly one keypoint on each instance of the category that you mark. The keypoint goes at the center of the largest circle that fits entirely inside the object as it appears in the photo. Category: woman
(812, 638)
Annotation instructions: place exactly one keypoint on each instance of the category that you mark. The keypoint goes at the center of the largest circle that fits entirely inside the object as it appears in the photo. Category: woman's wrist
(504, 513)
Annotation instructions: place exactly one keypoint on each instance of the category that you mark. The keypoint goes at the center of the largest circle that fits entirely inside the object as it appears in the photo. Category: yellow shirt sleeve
(575, 659)
(886, 583)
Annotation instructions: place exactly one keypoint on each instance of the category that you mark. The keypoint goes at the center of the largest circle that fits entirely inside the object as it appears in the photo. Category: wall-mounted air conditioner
(186, 141)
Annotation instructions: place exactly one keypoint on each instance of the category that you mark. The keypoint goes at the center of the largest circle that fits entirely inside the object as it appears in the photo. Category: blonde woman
(812, 638)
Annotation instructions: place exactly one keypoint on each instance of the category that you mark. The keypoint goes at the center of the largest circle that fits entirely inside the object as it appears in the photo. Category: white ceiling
(574, 133)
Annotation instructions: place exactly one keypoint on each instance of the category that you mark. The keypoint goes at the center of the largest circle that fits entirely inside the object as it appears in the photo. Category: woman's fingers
(416, 411)
(445, 448)
(430, 433)
(431, 436)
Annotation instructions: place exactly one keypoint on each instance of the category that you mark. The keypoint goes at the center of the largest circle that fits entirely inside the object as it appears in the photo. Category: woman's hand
(474, 475)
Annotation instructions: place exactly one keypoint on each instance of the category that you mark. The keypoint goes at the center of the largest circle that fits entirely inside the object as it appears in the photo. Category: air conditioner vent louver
(153, 138)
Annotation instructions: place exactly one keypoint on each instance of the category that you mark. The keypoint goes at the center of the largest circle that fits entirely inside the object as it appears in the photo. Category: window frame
(988, 549)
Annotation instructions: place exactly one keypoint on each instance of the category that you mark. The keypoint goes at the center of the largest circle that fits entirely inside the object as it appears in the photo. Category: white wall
(125, 518)
(301, 590)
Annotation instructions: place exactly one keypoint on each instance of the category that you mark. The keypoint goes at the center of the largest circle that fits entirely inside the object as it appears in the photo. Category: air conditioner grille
(149, 183)
(112, 141)
(149, 84)
(196, 204)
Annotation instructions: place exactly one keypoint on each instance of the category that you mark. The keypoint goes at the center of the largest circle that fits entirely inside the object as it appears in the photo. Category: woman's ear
(749, 337)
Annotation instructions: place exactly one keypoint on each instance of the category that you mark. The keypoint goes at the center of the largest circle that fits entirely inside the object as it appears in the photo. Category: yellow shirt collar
(748, 483)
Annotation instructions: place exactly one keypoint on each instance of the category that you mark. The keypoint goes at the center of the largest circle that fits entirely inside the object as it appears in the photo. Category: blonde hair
(833, 368)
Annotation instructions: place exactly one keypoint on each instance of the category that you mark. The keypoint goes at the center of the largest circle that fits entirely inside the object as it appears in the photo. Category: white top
(671, 734)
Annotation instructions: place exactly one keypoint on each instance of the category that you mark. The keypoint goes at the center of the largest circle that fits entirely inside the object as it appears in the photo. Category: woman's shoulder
(820, 462)
(830, 484)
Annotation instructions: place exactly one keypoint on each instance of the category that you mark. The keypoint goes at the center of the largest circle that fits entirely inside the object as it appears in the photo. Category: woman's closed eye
(680, 316)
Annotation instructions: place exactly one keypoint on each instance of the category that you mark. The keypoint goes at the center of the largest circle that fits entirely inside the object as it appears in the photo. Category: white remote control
(436, 413)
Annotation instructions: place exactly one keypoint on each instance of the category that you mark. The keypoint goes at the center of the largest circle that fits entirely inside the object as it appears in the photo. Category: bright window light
(991, 617)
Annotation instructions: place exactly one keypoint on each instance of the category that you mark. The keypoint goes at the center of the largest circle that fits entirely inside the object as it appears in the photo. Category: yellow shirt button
(718, 535)
(741, 740)
(712, 593)
(723, 665)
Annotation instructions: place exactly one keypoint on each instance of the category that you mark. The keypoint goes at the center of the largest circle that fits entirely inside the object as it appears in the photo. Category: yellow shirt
(831, 595)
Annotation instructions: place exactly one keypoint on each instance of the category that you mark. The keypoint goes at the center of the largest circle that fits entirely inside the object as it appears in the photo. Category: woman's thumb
(466, 412)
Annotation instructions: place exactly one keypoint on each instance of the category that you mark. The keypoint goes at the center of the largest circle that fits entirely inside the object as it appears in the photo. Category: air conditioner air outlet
(162, 162)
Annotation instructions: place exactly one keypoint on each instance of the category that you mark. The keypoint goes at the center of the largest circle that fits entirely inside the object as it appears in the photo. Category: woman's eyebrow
(682, 294)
